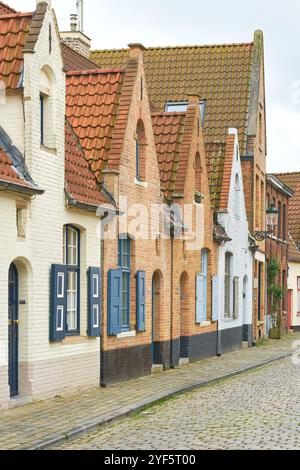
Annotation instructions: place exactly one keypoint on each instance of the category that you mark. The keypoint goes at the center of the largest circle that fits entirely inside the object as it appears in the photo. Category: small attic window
(181, 107)
(47, 109)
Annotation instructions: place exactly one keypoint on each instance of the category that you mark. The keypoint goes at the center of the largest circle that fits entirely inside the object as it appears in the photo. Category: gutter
(29, 191)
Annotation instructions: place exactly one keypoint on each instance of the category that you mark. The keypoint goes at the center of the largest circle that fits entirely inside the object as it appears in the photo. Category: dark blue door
(13, 330)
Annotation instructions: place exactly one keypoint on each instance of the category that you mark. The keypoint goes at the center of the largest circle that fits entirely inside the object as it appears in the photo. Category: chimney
(75, 38)
(44, 1)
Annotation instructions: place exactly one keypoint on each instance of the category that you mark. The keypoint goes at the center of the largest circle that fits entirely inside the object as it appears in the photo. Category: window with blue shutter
(125, 266)
(204, 263)
(94, 302)
(58, 302)
(114, 302)
(215, 298)
(141, 301)
(200, 311)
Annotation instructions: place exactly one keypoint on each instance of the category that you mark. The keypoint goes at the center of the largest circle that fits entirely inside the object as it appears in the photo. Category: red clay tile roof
(81, 183)
(168, 134)
(227, 170)
(75, 61)
(219, 73)
(7, 172)
(92, 106)
(292, 180)
(14, 29)
(5, 9)
(294, 253)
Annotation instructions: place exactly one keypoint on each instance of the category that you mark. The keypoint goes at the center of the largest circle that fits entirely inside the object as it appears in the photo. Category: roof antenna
(79, 6)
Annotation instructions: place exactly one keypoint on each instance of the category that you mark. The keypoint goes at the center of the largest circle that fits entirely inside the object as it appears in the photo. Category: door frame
(13, 330)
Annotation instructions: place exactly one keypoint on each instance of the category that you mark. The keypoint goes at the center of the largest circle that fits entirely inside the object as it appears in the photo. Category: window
(260, 130)
(262, 206)
(258, 207)
(284, 225)
(227, 285)
(125, 265)
(279, 227)
(198, 172)
(140, 152)
(42, 118)
(237, 196)
(181, 107)
(72, 261)
(50, 38)
(21, 220)
(47, 108)
(298, 296)
(236, 297)
(204, 270)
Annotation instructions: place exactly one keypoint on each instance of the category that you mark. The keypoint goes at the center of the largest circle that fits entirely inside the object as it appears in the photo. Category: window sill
(72, 340)
(141, 184)
(205, 323)
(127, 334)
(53, 151)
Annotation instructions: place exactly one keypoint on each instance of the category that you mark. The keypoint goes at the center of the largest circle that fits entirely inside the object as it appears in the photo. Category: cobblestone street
(257, 410)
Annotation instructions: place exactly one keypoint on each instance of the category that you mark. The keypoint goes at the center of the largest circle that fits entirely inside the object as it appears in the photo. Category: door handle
(13, 322)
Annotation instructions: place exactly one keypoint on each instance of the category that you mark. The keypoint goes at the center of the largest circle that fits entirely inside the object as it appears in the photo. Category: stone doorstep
(19, 401)
(139, 405)
(184, 361)
(156, 368)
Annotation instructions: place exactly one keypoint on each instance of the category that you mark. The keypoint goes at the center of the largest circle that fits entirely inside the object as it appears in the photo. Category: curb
(138, 406)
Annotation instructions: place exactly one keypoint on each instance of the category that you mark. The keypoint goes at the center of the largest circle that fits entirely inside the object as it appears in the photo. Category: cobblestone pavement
(43, 423)
(257, 410)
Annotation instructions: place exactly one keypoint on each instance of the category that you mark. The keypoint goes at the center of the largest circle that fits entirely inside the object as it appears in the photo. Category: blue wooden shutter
(215, 298)
(231, 296)
(114, 299)
(141, 301)
(236, 298)
(200, 312)
(58, 302)
(94, 302)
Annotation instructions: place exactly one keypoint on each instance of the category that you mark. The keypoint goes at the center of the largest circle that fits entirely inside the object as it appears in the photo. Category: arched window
(198, 172)
(47, 111)
(72, 261)
(140, 152)
(237, 196)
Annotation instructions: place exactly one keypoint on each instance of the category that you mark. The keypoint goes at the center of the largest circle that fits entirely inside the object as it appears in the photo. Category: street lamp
(271, 222)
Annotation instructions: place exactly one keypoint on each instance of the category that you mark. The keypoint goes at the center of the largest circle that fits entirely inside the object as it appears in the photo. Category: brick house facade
(277, 244)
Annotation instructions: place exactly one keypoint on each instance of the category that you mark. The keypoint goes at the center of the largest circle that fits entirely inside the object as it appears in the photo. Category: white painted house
(234, 256)
(50, 312)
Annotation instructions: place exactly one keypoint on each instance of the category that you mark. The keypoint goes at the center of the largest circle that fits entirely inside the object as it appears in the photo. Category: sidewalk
(42, 424)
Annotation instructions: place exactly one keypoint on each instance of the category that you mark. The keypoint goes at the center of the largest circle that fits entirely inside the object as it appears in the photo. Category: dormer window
(181, 107)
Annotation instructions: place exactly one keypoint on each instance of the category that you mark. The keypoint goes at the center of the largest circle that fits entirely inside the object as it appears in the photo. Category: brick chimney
(75, 38)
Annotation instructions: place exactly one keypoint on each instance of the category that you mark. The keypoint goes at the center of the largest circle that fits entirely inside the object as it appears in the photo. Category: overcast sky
(176, 22)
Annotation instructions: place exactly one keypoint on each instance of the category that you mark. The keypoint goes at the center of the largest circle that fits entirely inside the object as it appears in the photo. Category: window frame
(126, 271)
(71, 268)
(227, 285)
(42, 118)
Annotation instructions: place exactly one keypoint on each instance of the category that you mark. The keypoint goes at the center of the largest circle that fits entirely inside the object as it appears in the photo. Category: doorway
(157, 355)
(184, 310)
(13, 330)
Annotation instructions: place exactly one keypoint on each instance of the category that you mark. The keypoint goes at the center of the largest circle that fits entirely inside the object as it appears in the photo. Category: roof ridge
(77, 53)
(287, 173)
(16, 15)
(186, 46)
(7, 6)
(95, 71)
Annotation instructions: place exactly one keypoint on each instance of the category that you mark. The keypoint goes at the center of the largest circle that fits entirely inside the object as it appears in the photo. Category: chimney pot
(73, 21)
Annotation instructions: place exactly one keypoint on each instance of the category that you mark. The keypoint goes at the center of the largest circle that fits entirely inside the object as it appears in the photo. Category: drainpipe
(172, 366)
(102, 383)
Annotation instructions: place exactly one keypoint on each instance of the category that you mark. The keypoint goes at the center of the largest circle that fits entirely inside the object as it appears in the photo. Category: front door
(290, 308)
(13, 330)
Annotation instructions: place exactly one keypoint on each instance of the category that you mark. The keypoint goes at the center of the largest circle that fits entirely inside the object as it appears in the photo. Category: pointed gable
(5, 9)
(292, 180)
(227, 171)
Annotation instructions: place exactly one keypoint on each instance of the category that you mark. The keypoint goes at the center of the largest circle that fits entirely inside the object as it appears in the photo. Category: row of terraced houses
(132, 188)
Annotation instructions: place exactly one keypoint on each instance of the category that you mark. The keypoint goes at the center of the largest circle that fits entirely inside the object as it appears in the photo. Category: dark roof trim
(83, 205)
(247, 158)
(17, 159)
(29, 191)
(278, 184)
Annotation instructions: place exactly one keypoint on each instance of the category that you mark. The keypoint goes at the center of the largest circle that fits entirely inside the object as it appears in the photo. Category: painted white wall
(46, 369)
(294, 273)
(236, 228)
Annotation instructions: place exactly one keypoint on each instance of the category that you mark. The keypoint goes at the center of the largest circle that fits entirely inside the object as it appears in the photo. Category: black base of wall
(248, 334)
(162, 353)
(118, 365)
(198, 347)
(231, 339)
(296, 328)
